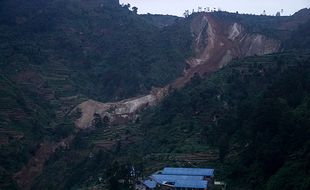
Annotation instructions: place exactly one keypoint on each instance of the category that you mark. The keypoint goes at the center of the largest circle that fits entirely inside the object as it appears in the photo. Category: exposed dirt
(116, 112)
(26, 176)
(216, 43)
(8, 135)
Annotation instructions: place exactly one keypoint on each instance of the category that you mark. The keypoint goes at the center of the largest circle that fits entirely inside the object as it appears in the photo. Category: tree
(135, 10)
(264, 12)
(126, 5)
(186, 13)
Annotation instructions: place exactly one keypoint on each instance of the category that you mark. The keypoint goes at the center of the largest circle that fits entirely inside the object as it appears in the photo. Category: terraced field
(155, 162)
(113, 136)
(6, 135)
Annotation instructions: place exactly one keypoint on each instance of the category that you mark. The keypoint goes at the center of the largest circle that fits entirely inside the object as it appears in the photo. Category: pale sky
(177, 7)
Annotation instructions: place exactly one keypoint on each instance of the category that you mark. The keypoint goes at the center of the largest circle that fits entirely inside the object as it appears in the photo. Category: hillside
(213, 121)
(249, 121)
(90, 89)
(255, 112)
(218, 38)
(87, 48)
(160, 21)
(28, 125)
(56, 54)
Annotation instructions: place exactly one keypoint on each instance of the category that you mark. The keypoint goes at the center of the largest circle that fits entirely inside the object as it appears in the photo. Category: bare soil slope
(216, 43)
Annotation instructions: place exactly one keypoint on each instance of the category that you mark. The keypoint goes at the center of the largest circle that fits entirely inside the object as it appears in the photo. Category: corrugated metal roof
(174, 178)
(201, 184)
(188, 171)
(150, 184)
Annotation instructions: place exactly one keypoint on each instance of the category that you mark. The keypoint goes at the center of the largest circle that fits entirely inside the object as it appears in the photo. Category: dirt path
(26, 176)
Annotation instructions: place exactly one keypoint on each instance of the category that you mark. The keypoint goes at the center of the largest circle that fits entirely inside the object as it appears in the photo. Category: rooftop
(188, 171)
(150, 184)
(197, 184)
(173, 178)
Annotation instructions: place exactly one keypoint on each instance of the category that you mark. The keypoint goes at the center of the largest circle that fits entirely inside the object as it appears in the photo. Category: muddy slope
(216, 43)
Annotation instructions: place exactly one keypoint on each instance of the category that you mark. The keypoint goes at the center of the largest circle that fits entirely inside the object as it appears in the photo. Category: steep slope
(25, 121)
(56, 54)
(218, 38)
(116, 112)
(88, 48)
(160, 21)
(249, 120)
(299, 38)
(255, 111)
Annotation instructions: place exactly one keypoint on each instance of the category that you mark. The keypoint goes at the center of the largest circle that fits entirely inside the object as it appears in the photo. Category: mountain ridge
(217, 42)
(58, 57)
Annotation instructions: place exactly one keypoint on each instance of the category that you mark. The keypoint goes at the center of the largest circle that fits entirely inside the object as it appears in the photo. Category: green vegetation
(25, 121)
(78, 166)
(89, 48)
(97, 157)
(279, 27)
(250, 120)
(54, 55)
(161, 21)
(255, 112)
(299, 38)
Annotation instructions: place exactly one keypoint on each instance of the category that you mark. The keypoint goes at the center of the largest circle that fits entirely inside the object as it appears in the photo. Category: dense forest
(249, 119)
(82, 48)
(254, 111)
(55, 54)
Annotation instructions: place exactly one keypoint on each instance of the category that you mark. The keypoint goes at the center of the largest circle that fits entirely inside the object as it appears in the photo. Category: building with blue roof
(189, 171)
(192, 184)
(181, 179)
(173, 178)
(149, 184)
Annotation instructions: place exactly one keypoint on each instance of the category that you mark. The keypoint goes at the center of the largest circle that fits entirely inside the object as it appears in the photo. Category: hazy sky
(177, 7)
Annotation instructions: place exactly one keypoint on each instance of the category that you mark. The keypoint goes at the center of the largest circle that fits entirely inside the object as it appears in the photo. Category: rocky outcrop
(27, 175)
(116, 112)
(216, 43)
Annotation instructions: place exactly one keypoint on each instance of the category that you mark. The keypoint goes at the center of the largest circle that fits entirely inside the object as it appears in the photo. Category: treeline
(255, 112)
(108, 52)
